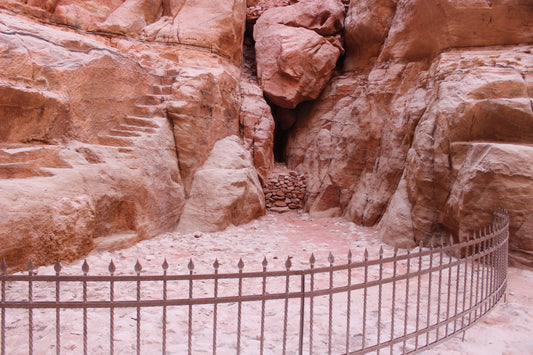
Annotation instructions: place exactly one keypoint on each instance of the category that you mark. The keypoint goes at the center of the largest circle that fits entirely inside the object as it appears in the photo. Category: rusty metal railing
(404, 302)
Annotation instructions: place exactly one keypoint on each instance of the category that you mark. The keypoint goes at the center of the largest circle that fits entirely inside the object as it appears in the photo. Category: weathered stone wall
(285, 192)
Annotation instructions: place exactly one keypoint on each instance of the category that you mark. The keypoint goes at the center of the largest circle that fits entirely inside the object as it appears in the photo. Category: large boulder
(225, 191)
(297, 49)
(204, 108)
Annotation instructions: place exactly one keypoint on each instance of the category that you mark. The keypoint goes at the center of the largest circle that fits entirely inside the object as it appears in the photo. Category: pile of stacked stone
(285, 192)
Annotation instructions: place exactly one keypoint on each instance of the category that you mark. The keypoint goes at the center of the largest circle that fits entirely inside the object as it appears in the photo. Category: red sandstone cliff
(412, 115)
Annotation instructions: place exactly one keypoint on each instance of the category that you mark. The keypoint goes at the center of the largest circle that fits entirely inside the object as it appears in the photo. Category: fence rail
(403, 303)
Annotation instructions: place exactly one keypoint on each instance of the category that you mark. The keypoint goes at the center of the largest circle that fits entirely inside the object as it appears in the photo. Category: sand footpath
(507, 329)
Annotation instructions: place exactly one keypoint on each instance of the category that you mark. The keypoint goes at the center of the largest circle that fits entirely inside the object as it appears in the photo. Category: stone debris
(285, 192)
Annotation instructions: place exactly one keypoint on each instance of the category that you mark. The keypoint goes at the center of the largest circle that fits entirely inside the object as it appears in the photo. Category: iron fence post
(3, 271)
(302, 316)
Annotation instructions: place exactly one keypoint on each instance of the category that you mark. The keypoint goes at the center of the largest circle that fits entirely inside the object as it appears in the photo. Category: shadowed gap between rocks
(280, 140)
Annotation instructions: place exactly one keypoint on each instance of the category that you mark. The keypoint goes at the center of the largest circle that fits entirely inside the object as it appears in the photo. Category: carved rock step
(149, 99)
(28, 161)
(153, 99)
(172, 72)
(140, 122)
(115, 141)
(138, 129)
(24, 153)
(21, 170)
(162, 89)
(124, 133)
(167, 80)
(149, 110)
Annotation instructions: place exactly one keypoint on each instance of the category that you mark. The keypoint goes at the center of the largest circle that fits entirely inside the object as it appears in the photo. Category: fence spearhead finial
(111, 268)
(288, 263)
(350, 256)
(216, 264)
(190, 266)
(366, 254)
(265, 262)
(3, 267)
(30, 265)
(312, 260)
(57, 267)
(85, 267)
(381, 252)
(395, 251)
(331, 258)
(138, 267)
(240, 264)
(164, 266)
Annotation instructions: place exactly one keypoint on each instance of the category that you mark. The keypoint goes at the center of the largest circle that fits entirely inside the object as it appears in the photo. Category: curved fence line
(405, 302)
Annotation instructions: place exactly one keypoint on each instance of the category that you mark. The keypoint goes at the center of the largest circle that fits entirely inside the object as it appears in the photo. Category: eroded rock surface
(414, 134)
(110, 111)
(102, 135)
(217, 26)
(225, 190)
(297, 48)
(257, 126)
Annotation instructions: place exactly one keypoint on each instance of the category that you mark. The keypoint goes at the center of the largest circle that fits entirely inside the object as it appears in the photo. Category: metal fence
(404, 302)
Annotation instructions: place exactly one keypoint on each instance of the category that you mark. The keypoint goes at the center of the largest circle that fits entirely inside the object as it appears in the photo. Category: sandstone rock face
(257, 126)
(395, 228)
(100, 136)
(79, 14)
(351, 149)
(132, 16)
(109, 132)
(366, 28)
(297, 49)
(204, 107)
(168, 21)
(421, 29)
(414, 134)
(221, 28)
(492, 174)
(225, 190)
(73, 167)
(477, 131)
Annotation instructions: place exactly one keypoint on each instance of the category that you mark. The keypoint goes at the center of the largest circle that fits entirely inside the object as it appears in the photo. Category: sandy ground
(507, 329)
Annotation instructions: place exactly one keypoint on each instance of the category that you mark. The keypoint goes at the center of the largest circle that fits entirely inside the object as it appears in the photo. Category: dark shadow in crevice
(280, 143)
